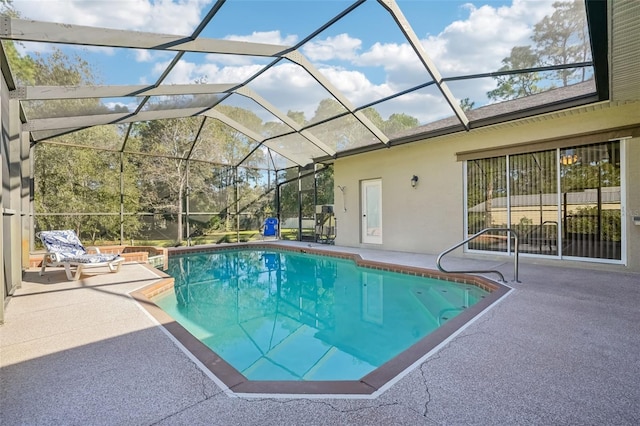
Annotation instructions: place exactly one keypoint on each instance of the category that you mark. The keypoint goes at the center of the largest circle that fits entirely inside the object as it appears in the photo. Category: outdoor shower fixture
(342, 188)
(414, 181)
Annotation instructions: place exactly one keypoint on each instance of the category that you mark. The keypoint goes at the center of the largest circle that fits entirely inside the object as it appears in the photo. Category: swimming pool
(310, 322)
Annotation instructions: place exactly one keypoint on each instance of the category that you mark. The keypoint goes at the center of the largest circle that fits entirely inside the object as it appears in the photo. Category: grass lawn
(218, 238)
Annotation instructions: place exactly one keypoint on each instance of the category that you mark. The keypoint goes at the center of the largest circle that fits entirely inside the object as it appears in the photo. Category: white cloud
(267, 37)
(426, 106)
(214, 74)
(290, 89)
(185, 72)
(355, 85)
(162, 16)
(380, 53)
(480, 42)
(404, 71)
(474, 44)
(143, 55)
(341, 47)
(131, 106)
(182, 73)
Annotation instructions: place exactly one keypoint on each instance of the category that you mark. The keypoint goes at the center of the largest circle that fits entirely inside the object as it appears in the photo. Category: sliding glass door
(591, 208)
(533, 201)
(487, 202)
(561, 202)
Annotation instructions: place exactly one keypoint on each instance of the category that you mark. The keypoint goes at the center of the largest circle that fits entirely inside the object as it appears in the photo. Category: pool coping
(367, 385)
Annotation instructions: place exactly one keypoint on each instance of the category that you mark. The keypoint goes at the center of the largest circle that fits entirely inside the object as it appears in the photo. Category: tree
(562, 38)
(398, 122)
(165, 177)
(82, 180)
(327, 108)
(374, 116)
(297, 116)
(513, 86)
(70, 179)
(228, 147)
(467, 104)
(7, 9)
(559, 39)
(324, 185)
(59, 69)
(22, 68)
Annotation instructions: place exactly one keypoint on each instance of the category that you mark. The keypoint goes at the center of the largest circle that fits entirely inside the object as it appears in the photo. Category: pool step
(300, 350)
(320, 363)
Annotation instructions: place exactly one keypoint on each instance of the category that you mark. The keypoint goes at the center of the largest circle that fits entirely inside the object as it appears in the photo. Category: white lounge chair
(65, 249)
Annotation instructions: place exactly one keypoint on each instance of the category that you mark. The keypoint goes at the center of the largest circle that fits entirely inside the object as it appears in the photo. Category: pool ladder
(510, 232)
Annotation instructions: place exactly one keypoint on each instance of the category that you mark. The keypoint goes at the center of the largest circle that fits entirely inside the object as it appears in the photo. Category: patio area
(562, 348)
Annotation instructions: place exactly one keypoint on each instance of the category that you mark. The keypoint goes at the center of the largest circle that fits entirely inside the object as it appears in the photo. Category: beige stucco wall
(429, 218)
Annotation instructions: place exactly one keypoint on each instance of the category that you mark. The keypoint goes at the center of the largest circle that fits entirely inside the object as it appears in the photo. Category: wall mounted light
(414, 181)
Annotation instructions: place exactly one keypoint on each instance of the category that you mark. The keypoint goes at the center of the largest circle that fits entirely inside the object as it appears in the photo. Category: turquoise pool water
(282, 315)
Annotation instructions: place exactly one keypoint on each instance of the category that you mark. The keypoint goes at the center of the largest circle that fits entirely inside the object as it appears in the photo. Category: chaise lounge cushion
(64, 248)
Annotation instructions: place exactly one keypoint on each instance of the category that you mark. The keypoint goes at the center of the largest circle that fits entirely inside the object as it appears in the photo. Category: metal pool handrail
(493, 271)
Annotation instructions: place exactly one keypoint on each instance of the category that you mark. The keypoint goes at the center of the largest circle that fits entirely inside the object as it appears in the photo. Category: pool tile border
(370, 383)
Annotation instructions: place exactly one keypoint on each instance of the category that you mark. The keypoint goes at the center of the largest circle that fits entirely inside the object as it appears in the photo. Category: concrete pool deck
(562, 348)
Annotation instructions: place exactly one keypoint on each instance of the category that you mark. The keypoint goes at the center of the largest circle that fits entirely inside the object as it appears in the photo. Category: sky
(364, 54)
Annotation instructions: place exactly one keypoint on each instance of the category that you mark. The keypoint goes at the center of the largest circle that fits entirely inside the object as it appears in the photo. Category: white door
(371, 209)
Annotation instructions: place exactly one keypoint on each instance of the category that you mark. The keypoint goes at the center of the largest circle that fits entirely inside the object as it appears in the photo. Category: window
(561, 202)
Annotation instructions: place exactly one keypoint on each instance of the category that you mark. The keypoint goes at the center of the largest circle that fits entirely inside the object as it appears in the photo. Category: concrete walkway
(563, 348)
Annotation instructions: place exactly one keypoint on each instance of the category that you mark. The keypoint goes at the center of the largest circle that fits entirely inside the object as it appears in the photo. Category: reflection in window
(590, 183)
(534, 201)
(583, 221)
(486, 201)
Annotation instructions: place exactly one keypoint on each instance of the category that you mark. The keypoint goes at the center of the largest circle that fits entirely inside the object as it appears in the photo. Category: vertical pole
(32, 189)
(508, 181)
(315, 202)
(515, 259)
(121, 198)
(122, 185)
(565, 221)
(542, 234)
(277, 206)
(4, 168)
(560, 237)
(299, 205)
(13, 239)
(187, 195)
(235, 182)
(25, 185)
(598, 250)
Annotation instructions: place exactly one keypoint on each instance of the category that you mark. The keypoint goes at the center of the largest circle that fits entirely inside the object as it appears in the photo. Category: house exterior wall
(429, 218)
(632, 191)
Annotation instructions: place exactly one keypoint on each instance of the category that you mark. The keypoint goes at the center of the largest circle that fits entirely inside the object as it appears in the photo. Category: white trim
(465, 198)
(624, 240)
(365, 237)
(507, 168)
(560, 230)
